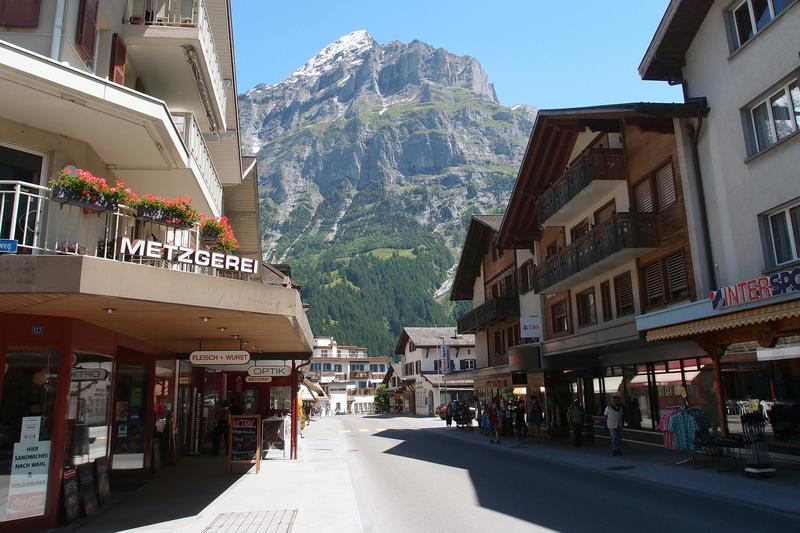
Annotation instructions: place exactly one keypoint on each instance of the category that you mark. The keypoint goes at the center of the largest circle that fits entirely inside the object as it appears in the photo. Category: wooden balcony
(619, 239)
(488, 313)
(594, 174)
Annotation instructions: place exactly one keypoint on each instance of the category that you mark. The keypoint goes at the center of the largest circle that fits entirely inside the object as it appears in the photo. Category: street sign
(8, 246)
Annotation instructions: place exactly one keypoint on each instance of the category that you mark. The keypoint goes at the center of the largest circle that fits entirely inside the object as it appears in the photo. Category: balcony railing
(485, 314)
(193, 138)
(191, 14)
(359, 374)
(42, 226)
(621, 231)
(596, 164)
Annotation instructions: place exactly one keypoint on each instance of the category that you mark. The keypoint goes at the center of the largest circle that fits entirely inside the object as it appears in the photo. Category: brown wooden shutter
(665, 183)
(644, 197)
(653, 283)
(87, 27)
(19, 13)
(623, 288)
(118, 55)
(677, 279)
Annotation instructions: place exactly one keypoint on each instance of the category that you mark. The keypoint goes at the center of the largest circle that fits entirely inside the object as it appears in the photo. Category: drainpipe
(694, 136)
(58, 27)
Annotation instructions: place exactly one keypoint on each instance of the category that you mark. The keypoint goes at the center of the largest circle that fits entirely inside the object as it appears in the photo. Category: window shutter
(677, 280)
(623, 286)
(560, 309)
(665, 183)
(653, 283)
(118, 55)
(87, 27)
(644, 197)
(19, 13)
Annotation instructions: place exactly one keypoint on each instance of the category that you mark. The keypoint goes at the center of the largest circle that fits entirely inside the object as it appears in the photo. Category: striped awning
(737, 319)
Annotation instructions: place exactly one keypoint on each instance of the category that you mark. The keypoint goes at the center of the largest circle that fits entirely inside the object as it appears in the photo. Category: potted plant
(218, 234)
(178, 213)
(82, 188)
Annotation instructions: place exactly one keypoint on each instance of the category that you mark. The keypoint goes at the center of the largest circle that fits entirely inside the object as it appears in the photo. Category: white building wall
(738, 190)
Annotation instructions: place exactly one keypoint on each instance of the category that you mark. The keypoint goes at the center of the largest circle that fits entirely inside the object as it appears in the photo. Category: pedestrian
(478, 415)
(575, 416)
(635, 415)
(495, 419)
(485, 419)
(519, 421)
(536, 417)
(220, 428)
(449, 414)
(613, 415)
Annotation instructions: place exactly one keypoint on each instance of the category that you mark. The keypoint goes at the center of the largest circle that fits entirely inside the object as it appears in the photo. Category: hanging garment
(663, 427)
(684, 427)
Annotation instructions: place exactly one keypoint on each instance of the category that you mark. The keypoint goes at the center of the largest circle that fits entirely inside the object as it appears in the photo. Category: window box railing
(596, 164)
(487, 313)
(185, 14)
(621, 231)
(198, 150)
(41, 225)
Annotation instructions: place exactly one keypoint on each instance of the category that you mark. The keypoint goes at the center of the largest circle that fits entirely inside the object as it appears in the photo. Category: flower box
(210, 237)
(98, 203)
(149, 213)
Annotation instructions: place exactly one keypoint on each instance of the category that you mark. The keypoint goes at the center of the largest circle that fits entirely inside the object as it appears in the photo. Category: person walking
(494, 423)
(575, 417)
(449, 414)
(220, 428)
(614, 416)
(519, 421)
(485, 419)
(536, 417)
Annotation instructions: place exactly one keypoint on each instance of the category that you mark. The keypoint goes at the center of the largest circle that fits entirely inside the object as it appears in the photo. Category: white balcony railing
(193, 138)
(186, 13)
(42, 226)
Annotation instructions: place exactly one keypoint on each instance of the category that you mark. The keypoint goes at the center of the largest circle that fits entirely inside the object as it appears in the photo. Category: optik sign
(754, 290)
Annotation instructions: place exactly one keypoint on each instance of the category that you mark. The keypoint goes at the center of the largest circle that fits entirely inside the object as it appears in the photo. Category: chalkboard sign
(87, 488)
(71, 494)
(245, 440)
(101, 474)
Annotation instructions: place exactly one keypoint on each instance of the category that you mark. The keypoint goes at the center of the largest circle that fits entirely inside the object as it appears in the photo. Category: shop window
(27, 417)
(89, 408)
(623, 291)
(775, 117)
(559, 316)
(783, 231)
(587, 313)
(605, 297)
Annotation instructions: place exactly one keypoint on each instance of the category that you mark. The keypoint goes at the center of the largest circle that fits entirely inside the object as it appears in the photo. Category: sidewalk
(780, 492)
(194, 494)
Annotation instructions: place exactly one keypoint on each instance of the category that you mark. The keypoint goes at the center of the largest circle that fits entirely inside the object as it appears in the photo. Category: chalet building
(495, 280)
(432, 359)
(743, 204)
(599, 211)
(347, 375)
(103, 301)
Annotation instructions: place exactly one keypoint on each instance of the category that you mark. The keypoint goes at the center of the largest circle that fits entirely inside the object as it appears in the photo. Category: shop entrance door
(131, 432)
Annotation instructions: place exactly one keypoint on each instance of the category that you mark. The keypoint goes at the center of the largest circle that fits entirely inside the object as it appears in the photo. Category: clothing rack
(755, 444)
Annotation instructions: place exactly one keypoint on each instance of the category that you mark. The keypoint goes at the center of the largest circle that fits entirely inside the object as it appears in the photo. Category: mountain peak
(347, 49)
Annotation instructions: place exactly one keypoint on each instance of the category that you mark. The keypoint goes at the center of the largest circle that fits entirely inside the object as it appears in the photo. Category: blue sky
(544, 53)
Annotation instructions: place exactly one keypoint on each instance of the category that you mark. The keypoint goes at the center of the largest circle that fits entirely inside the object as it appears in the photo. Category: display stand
(244, 439)
(755, 445)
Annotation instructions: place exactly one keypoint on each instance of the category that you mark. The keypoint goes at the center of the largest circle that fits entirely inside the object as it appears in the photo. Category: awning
(669, 378)
(747, 317)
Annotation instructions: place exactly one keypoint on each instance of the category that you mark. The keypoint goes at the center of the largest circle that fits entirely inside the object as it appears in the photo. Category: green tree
(382, 399)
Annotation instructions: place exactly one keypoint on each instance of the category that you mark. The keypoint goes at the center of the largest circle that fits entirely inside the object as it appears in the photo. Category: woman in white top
(614, 419)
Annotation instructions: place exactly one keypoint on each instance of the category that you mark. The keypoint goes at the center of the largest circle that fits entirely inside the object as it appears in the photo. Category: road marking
(362, 430)
(345, 431)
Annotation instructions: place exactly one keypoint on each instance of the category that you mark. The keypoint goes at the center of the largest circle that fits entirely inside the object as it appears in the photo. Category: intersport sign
(187, 256)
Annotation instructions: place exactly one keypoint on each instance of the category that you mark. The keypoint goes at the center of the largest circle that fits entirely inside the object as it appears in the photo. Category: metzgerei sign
(187, 256)
(219, 357)
(754, 290)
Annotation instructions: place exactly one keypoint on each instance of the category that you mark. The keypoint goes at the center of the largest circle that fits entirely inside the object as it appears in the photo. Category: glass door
(130, 417)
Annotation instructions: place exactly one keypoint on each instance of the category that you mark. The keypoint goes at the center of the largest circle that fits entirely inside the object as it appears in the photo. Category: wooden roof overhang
(666, 54)
(476, 245)
(552, 140)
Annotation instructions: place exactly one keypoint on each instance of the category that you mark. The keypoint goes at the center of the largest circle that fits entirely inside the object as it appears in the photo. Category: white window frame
(767, 100)
(752, 19)
(795, 245)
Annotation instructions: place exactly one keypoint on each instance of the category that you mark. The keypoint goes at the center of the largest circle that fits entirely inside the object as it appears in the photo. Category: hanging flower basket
(81, 188)
(218, 235)
(148, 213)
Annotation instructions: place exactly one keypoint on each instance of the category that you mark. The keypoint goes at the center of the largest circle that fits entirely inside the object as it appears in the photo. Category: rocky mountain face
(371, 157)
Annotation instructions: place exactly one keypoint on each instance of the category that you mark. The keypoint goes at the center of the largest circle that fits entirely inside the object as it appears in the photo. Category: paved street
(410, 479)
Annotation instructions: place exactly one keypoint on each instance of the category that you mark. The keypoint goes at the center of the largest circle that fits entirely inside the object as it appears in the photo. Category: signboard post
(244, 440)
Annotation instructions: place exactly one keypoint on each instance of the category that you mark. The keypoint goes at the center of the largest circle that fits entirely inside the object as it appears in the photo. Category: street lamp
(442, 361)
